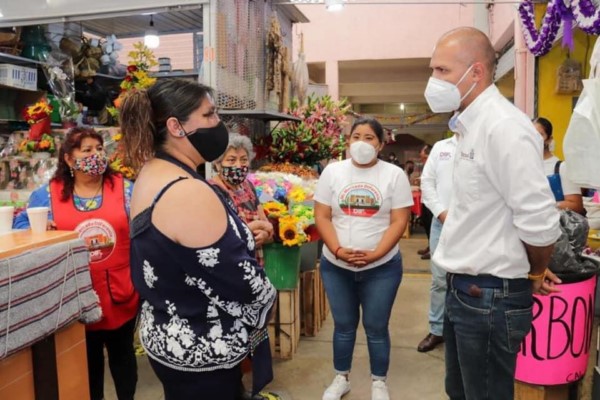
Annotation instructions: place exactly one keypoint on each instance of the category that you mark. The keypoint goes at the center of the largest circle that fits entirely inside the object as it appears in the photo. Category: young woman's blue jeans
(373, 291)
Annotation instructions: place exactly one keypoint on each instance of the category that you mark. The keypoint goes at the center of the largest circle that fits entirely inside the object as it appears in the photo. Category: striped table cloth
(43, 290)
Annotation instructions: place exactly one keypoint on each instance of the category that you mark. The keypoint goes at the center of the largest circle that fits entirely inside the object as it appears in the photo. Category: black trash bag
(567, 262)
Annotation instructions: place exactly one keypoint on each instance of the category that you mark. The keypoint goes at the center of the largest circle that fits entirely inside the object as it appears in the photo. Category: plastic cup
(6, 218)
(38, 218)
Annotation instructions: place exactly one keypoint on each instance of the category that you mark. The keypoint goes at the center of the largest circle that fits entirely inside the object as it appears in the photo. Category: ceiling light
(334, 5)
(151, 39)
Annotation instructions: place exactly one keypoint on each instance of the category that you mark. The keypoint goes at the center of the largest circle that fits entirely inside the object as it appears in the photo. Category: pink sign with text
(556, 350)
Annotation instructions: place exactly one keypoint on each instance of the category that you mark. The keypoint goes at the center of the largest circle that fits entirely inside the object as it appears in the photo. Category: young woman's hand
(360, 258)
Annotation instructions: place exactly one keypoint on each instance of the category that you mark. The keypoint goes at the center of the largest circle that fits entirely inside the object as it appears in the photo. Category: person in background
(205, 299)
(426, 215)
(567, 194)
(502, 222)
(392, 159)
(88, 197)
(362, 206)
(409, 169)
(232, 170)
(436, 188)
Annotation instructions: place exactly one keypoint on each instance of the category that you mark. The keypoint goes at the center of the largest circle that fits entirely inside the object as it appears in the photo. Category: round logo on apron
(99, 236)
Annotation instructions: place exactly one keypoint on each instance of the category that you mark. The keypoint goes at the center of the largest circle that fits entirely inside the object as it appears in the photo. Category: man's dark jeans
(486, 320)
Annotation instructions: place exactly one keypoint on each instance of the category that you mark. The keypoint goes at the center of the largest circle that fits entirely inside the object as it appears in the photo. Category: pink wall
(363, 32)
(502, 24)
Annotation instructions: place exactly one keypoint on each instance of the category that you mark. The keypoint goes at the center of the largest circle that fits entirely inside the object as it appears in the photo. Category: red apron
(106, 233)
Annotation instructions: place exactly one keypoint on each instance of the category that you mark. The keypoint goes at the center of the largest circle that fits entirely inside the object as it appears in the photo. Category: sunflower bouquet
(38, 117)
(287, 202)
(37, 112)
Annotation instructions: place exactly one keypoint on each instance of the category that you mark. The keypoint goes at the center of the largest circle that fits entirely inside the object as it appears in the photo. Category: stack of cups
(38, 219)
(6, 219)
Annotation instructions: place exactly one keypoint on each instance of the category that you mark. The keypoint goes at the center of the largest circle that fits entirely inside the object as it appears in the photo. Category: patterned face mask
(234, 175)
(94, 165)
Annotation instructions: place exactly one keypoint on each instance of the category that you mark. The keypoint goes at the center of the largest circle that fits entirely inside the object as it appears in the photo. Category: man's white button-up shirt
(436, 180)
(500, 196)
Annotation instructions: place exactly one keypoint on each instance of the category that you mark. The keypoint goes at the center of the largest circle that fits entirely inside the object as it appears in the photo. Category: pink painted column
(524, 73)
(332, 79)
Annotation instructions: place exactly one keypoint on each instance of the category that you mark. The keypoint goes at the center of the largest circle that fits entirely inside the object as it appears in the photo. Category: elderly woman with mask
(232, 170)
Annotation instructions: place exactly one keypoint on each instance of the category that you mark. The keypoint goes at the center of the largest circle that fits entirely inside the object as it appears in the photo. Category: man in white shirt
(501, 224)
(436, 189)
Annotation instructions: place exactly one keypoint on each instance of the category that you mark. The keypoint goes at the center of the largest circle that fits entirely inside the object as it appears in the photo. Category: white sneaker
(379, 391)
(338, 388)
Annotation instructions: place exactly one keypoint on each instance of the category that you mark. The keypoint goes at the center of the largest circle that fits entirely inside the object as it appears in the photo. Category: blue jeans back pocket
(518, 324)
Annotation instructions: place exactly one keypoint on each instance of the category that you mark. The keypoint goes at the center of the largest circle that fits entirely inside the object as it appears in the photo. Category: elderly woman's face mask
(234, 175)
(235, 166)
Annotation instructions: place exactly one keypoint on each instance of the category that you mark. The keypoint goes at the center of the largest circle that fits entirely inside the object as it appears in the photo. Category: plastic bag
(582, 139)
(566, 260)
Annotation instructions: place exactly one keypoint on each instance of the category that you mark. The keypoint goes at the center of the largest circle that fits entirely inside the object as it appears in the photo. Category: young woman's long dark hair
(144, 114)
(72, 141)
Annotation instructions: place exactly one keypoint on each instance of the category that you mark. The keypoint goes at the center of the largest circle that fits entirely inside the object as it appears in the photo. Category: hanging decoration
(300, 74)
(583, 12)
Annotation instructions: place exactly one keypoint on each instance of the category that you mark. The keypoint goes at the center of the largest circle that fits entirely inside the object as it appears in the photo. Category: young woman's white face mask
(362, 152)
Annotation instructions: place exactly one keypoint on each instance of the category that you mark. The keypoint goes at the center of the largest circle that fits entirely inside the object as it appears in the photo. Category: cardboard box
(18, 76)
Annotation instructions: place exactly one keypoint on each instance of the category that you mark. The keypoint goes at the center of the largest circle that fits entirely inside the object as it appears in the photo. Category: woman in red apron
(88, 197)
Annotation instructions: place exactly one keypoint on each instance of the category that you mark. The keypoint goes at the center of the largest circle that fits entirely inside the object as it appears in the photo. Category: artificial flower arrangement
(137, 77)
(45, 144)
(317, 136)
(38, 118)
(286, 200)
(59, 72)
(141, 60)
(37, 112)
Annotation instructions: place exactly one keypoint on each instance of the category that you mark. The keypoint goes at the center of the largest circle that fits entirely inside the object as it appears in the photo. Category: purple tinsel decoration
(567, 18)
(540, 43)
(587, 16)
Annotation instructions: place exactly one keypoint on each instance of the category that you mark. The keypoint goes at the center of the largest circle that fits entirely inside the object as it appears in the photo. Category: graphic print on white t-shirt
(360, 199)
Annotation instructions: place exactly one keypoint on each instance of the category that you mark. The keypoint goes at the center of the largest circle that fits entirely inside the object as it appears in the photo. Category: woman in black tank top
(204, 300)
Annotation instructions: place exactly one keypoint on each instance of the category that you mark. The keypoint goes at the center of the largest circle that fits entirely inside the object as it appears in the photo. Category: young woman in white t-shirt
(362, 206)
(571, 193)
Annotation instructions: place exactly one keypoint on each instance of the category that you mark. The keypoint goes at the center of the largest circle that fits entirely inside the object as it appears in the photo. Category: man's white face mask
(443, 96)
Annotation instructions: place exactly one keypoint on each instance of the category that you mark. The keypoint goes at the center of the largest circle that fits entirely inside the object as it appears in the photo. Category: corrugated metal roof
(135, 25)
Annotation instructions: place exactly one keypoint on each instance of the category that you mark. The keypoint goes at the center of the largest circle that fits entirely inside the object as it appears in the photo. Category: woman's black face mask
(210, 143)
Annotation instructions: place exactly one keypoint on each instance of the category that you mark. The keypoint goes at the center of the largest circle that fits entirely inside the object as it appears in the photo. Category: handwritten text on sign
(556, 350)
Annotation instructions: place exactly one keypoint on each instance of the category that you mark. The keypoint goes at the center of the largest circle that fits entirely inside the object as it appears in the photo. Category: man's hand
(442, 216)
(546, 286)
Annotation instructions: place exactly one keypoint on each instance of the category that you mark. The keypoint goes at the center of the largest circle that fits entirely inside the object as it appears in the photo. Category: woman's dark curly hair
(72, 141)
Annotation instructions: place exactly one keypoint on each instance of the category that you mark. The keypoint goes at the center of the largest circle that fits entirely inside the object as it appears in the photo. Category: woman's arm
(38, 198)
(572, 192)
(328, 234)
(572, 202)
(398, 220)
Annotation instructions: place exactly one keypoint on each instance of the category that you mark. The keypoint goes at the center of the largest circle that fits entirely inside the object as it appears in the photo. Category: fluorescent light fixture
(334, 5)
(151, 39)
